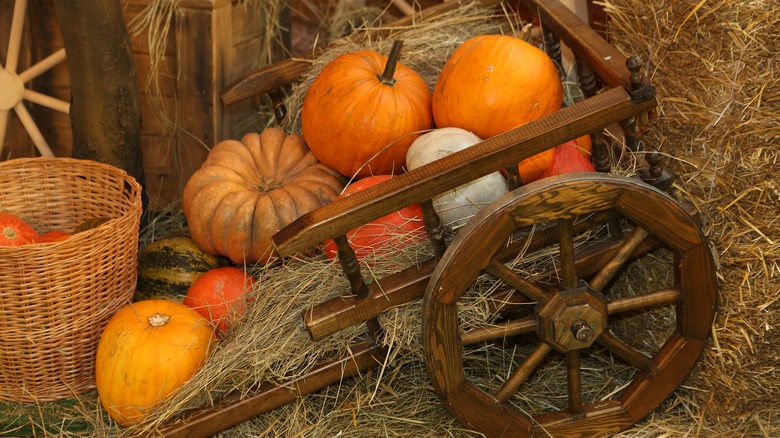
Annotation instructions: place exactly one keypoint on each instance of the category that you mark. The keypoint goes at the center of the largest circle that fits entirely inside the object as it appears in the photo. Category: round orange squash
(15, 231)
(362, 112)
(248, 190)
(494, 83)
(220, 294)
(147, 351)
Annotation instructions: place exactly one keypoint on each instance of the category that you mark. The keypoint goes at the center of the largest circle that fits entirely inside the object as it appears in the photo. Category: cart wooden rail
(570, 316)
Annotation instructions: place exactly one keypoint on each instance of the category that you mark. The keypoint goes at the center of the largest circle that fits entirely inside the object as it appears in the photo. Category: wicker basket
(56, 298)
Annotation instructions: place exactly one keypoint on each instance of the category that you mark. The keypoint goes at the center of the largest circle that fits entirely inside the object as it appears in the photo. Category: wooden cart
(565, 311)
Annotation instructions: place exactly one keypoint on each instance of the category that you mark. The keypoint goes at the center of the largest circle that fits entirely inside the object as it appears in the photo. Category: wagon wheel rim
(574, 317)
(13, 90)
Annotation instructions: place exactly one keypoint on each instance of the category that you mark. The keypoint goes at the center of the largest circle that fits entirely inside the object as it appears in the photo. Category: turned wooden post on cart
(565, 310)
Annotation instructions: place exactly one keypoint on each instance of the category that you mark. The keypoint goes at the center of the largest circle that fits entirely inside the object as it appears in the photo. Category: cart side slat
(445, 174)
(209, 421)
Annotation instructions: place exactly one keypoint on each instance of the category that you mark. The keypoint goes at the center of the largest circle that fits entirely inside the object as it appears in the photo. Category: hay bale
(716, 70)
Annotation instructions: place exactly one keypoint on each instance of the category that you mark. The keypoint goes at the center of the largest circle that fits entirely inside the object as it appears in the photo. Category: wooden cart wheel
(619, 351)
(12, 84)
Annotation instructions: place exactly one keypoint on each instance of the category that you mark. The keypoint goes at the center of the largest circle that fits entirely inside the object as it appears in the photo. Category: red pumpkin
(14, 231)
(403, 227)
(52, 236)
(568, 158)
(362, 112)
(494, 83)
(533, 167)
(218, 293)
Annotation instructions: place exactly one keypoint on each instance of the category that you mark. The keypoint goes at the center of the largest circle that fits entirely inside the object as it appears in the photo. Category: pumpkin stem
(158, 320)
(9, 233)
(392, 61)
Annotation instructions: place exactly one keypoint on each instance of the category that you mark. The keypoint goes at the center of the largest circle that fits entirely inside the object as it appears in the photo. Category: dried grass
(715, 67)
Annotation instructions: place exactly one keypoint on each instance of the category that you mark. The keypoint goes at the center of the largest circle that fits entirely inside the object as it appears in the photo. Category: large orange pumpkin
(248, 190)
(363, 111)
(147, 351)
(494, 83)
(401, 228)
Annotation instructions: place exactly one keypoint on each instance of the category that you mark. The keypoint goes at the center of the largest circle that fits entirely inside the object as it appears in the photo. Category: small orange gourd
(148, 350)
(362, 112)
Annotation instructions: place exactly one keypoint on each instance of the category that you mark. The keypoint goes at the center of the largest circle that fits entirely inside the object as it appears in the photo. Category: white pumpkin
(457, 206)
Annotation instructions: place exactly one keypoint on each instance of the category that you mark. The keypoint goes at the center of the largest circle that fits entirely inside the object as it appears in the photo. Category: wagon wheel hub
(13, 89)
(572, 319)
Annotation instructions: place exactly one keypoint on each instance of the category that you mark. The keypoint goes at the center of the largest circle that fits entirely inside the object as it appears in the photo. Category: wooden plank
(202, 62)
(210, 421)
(483, 158)
(246, 24)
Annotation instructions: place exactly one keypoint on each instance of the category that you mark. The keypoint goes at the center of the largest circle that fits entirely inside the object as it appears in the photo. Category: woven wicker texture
(56, 298)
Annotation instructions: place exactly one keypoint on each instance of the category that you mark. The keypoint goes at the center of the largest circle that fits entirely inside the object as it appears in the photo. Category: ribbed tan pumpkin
(248, 190)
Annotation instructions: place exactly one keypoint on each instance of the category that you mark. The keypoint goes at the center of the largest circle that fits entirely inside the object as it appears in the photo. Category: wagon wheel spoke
(624, 351)
(503, 330)
(32, 130)
(618, 260)
(643, 302)
(574, 381)
(521, 373)
(42, 66)
(3, 125)
(566, 245)
(47, 101)
(525, 287)
(15, 37)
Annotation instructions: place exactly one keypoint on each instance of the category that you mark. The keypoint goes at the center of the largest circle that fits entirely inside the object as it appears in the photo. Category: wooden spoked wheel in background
(13, 92)
(564, 315)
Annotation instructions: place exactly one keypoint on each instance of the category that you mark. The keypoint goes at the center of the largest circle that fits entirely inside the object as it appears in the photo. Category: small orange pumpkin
(362, 112)
(218, 293)
(147, 351)
(15, 231)
(52, 236)
(248, 190)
